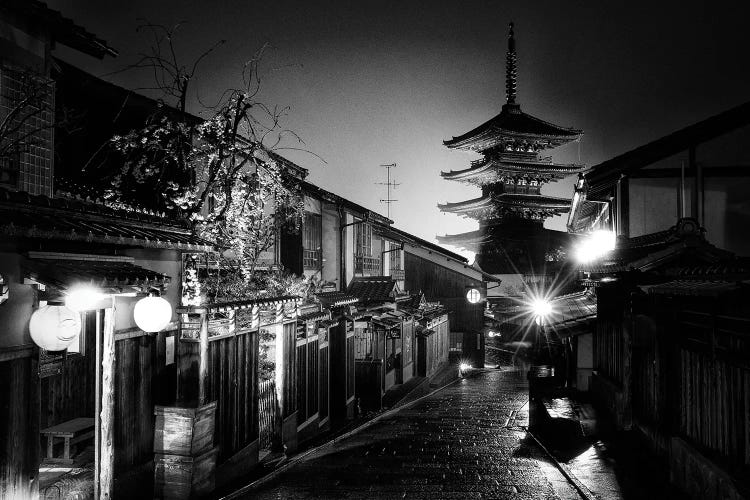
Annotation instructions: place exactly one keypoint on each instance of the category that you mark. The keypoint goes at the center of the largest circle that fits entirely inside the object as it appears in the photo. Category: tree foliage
(219, 171)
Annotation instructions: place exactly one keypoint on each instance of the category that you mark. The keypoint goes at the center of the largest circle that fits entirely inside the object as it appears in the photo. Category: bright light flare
(83, 298)
(594, 246)
(464, 366)
(541, 307)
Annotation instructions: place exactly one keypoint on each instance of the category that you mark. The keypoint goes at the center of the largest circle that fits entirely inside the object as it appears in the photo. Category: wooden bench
(73, 431)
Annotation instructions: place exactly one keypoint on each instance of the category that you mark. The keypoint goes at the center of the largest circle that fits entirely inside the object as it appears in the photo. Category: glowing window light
(473, 296)
(595, 246)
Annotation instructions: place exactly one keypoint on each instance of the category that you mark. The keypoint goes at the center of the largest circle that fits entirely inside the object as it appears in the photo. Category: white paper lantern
(152, 314)
(54, 327)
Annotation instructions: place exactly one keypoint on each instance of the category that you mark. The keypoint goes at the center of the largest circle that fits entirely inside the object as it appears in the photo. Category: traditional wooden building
(670, 354)
(700, 171)
(511, 210)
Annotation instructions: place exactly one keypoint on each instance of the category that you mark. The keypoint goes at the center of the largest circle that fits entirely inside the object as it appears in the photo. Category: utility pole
(389, 184)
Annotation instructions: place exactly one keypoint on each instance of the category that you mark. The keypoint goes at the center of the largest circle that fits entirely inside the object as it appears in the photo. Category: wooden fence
(691, 379)
(268, 414)
(432, 347)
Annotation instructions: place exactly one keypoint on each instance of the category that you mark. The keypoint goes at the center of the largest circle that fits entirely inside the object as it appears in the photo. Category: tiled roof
(372, 288)
(521, 201)
(232, 305)
(494, 170)
(572, 307)
(336, 299)
(108, 273)
(512, 122)
(682, 246)
(314, 316)
(40, 217)
(693, 288)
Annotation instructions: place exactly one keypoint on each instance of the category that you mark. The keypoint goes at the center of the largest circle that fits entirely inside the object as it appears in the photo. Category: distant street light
(594, 246)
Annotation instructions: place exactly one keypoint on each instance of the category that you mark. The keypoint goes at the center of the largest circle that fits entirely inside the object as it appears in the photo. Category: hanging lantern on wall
(54, 327)
(152, 314)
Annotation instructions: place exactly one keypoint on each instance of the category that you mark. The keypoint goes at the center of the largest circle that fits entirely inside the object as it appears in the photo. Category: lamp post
(541, 373)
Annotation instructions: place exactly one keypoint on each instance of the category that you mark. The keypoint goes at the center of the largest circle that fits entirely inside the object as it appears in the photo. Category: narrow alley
(465, 441)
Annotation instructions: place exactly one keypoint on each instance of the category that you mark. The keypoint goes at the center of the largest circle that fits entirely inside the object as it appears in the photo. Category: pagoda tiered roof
(500, 231)
(501, 169)
(470, 241)
(495, 205)
(513, 126)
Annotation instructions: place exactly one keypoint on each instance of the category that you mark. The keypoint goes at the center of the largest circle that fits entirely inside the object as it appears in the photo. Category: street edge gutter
(577, 484)
(294, 460)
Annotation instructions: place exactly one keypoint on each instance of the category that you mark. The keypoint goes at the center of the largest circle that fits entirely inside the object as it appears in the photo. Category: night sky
(370, 83)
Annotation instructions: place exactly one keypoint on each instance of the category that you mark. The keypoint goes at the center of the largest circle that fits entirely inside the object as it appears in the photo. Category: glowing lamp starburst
(541, 308)
(595, 246)
(83, 298)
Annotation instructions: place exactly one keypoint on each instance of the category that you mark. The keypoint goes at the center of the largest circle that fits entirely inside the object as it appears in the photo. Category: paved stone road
(463, 442)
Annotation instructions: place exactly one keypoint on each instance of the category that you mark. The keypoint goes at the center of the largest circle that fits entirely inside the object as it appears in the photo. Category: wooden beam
(97, 403)
(708, 171)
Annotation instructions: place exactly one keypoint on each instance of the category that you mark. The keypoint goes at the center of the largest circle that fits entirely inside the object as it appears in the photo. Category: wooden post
(97, 402)
(106, 442)
(203, 361)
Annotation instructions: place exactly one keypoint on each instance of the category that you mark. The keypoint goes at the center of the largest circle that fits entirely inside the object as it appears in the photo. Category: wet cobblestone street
(466, 441)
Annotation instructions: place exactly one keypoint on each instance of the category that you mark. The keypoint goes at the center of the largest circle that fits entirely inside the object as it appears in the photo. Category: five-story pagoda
(511, 211)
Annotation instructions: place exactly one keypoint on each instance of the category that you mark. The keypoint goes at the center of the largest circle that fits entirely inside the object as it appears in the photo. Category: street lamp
(540, 308)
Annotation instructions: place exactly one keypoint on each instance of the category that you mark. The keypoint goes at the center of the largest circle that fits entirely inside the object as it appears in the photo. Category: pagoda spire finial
(510, 69)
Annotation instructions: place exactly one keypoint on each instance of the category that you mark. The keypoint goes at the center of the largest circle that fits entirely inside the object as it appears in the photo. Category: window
(396, 260)
(27, 147)
(312, 241)
(363, 237)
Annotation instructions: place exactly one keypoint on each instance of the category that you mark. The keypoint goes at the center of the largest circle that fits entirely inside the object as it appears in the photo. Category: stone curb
(579, 486)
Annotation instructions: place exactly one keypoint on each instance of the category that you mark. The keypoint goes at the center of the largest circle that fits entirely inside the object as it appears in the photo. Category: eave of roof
(514, 167)
(39, 217)
(508, 199)
(318, 192)
(512, 123)
(604, 175)
(108, 273)
(239, 304)
(62, 29)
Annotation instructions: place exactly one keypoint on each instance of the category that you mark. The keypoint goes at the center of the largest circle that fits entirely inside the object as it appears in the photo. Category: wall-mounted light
(83, 298)
(595, 245)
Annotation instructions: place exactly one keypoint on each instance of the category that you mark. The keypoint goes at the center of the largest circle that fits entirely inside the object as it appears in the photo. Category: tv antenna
(389, 184)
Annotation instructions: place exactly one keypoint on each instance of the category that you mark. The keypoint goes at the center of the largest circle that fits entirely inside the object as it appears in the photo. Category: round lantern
(54, 327)
(152, 314)
(474, 296)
